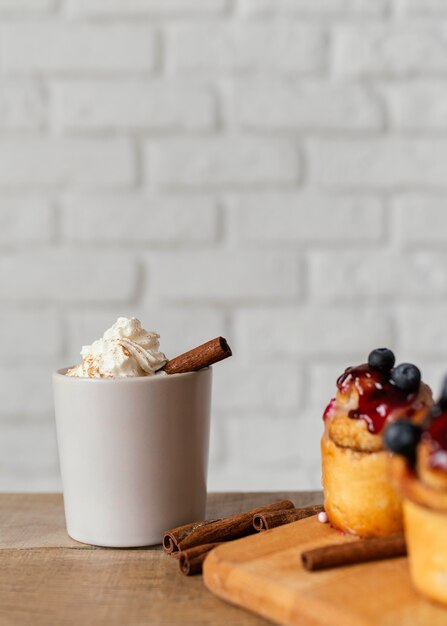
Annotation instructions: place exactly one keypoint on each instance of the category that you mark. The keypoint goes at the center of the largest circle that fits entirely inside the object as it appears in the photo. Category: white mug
(133, 454)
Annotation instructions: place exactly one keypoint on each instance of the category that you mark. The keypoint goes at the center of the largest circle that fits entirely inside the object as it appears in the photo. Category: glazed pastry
(419, 474)
(358, 497)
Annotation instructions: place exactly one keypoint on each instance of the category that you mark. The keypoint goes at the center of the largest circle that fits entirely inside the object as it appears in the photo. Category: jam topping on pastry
(378, 395)
(372, 393)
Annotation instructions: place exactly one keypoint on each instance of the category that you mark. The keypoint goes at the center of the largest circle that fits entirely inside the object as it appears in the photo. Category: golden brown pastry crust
(426, 536)
(352, 433)
(425, 513)
(358, 497)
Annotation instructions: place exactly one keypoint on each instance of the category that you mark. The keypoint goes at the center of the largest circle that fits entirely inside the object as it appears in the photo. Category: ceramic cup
(133, 454)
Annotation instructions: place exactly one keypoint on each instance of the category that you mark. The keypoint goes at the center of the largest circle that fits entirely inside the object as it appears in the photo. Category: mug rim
(60, 374)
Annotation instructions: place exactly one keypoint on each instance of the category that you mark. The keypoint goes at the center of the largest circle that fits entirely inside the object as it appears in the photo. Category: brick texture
(22, 105)
(222, 161)
(310, 333)
(45, 46)
(26, 220)
(89, 105)
(421, 219)
(390, 50)
(319, 8)
(273, 171)
(282, 105)
(132, 219)
(138, 8)
(385, 163)
(24, 7)
(248, 46)
(427, 7)
(77, 161)
(67, 276)
(375, 275)
(418, 105)
(306, 218)
(244, 276)
(21, 333)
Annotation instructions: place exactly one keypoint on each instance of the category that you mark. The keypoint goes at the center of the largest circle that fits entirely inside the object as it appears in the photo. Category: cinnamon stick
(213, 531)
(171, 538)
(265, 521)
(208, 353)
(191, 560)
(359, 551)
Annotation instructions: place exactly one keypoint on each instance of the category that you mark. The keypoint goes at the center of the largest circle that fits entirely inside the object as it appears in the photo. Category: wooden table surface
(47, 578)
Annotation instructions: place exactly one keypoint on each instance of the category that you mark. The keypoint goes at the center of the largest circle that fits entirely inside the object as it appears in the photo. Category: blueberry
(381, 359)
(401, 437)
(406, 377)
(443, 397)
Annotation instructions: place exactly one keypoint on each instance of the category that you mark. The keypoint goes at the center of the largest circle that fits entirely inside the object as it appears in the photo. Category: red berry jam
(436, 437)
(329, 409)
(378, 396)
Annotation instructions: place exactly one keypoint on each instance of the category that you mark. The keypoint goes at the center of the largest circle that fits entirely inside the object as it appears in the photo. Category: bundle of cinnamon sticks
(192, 542)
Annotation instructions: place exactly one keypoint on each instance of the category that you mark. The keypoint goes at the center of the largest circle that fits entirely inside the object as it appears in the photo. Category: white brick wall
(158, 220)
(230, 277)
(22, 105)
(393, 50)
(279, 105)
(39, 160)
(125, 105)
(308, 219)
(271, 170)
(241, 46)
(387, 163)
(219, 161)
(44, 46)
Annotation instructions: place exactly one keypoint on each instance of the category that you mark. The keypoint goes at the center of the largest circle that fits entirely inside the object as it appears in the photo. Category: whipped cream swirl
(125, 350)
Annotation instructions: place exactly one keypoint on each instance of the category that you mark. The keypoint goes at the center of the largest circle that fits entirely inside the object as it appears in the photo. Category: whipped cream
(125, 350)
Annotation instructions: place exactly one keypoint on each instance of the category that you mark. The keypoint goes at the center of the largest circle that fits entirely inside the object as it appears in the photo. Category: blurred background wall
(270, 170)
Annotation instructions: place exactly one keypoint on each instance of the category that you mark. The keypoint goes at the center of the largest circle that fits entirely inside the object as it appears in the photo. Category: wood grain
(263, 573)
(46, 578)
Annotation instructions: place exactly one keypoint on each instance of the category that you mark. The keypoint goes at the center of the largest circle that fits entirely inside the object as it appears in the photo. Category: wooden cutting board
(263, 574)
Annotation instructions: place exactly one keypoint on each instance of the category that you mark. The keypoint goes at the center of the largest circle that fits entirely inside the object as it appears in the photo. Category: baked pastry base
(358, 497)
(425, 513)
(426, 536)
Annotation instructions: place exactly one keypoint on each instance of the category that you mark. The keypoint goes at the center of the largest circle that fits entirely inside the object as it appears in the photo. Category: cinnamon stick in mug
(267, 520)
(208, 353)
(354, 552)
